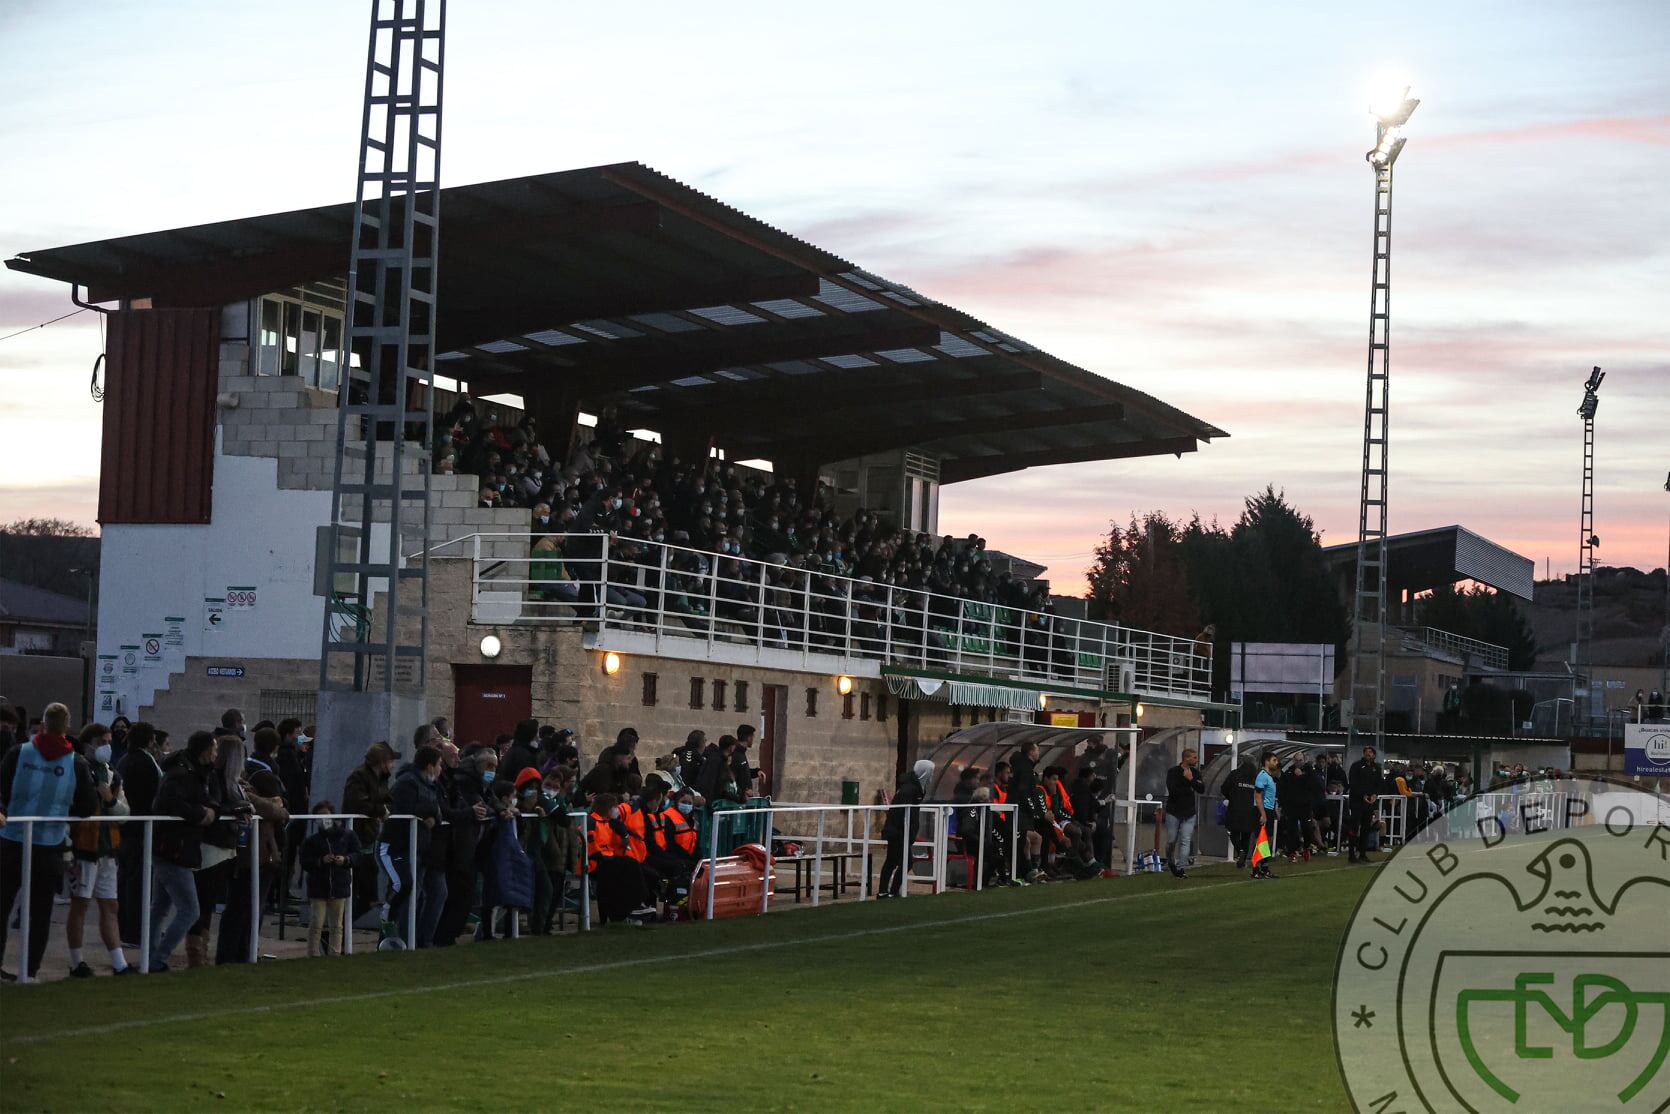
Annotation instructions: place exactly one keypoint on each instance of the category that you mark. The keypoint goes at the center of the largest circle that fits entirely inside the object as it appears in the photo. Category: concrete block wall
(281, 418)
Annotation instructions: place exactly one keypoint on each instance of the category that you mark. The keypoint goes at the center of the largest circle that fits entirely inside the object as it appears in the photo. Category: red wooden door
(488, 700)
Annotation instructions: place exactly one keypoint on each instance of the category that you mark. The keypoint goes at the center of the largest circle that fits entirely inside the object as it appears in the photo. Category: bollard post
(864, 857)
(23, 973)
(817, 863)
(145, 902)
(412, 871)
(765, 875)
(585, 874)
(345, 946)
(712, 859)
(254, 889)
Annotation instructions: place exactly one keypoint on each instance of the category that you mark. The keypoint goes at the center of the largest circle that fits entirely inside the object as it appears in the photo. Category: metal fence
(930, 848)
(675, 601)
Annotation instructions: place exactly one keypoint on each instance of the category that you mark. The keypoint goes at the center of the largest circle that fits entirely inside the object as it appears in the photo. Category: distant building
(35, 621)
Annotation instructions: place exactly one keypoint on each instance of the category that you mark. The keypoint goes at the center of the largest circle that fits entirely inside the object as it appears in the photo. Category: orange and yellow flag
(1261, 848)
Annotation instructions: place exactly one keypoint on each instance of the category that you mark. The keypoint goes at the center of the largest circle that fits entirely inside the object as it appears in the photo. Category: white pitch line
(619, 964)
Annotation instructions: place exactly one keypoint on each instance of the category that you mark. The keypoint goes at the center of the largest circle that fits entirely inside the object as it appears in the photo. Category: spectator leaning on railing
(41, 777)
(177, 849)
(366, 793)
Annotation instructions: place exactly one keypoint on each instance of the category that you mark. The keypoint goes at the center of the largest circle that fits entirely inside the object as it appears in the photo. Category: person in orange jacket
(621, 895)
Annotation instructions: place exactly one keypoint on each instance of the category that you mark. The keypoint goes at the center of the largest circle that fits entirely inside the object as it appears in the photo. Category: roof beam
(508, 322)
(845, 441)
(854, 394)
(978, 467)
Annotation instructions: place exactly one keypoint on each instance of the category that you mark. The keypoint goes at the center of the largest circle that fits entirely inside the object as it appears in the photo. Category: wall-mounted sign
(241, 599)
(214, 614)
(174, 637)
(1647, 750)
(151, 644)
(226, 671)
(130, 659)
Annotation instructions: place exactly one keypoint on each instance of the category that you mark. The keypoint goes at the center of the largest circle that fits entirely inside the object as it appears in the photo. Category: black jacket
(1363, 780)
(516, 759)
(909, 792)
(462, 789)
(1023, 790)
(716, 782)
(141, 777)
(411, 795)
(1183, 794)
(326, 881)
(292, 771)
(184, 793)
(1242, 815)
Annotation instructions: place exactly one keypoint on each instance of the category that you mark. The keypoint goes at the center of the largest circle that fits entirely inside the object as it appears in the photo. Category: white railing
(1487, 654)
(929, 845)
(681, 602)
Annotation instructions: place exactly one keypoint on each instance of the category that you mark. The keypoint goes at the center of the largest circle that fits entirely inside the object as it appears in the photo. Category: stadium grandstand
(686, 468)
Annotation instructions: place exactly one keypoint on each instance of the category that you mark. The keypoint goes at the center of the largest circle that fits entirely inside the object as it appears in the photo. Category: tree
(46, 528)
(1263, 580)
(50, 553)
(1138, 579)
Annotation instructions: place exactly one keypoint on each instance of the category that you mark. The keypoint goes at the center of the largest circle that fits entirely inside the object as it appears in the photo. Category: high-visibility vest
(1059, 800)
(602, 841)
(1000, 795)
(637, 843)
(675, 832)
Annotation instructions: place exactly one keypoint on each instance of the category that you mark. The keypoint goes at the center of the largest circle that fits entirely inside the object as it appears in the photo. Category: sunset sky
(1173, 196)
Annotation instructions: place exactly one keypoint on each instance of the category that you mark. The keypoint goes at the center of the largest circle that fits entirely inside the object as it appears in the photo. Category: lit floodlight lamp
(1392, 112)
(611, 663)
(490, 646)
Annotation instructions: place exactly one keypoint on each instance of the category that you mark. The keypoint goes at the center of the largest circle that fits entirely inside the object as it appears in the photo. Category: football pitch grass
(1145, 994)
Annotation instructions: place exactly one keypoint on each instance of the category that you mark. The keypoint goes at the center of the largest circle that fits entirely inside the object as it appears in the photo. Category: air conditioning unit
(1121, 676)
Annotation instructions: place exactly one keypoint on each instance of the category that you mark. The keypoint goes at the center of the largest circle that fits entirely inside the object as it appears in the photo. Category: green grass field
(1130, 994)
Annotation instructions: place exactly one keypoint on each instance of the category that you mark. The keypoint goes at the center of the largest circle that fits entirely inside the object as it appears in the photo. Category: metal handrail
(685, 601)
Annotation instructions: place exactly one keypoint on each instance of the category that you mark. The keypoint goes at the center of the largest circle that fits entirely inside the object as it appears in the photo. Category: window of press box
(300, 339)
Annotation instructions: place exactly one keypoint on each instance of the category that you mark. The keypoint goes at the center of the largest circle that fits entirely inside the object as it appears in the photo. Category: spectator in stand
(177, 849)
(241, 798)
(465, 785)
(523, 752)
(140, 772)
(366, 793)
(93, 846)
(670, 817)
(1264, 799)
(328, 856)
(41, 777)
(9, 726)
(1363, 784)
(414, 806)
(900, 827)
(119, 728)
(612, 774)
(1184, 785)
(291, 767)
(443, 729)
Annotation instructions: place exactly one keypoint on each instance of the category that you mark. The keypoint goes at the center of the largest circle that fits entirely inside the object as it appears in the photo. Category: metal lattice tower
(1586, 542)
(1369, 605)
(380, 503)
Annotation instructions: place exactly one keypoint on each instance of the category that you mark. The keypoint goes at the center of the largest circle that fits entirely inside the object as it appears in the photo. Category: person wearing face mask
(900, 827)
(466, 787)
(328, 859)
(94, 848)
(554, 845)
(619, 882)
(414, 802)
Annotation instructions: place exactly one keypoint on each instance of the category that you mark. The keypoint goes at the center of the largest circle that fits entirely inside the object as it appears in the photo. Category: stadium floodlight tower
(1587, 541)
(371, 652)
(1368, 663)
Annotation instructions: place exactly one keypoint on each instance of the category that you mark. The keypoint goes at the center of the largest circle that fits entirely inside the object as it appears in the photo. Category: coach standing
(1363, 784)
(1183, 788)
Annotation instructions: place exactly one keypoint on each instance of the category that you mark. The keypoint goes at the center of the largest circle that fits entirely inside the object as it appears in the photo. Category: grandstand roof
(1427, 559)
(619, 285)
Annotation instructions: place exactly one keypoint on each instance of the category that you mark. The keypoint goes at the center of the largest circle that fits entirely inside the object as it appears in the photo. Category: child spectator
(328, 859)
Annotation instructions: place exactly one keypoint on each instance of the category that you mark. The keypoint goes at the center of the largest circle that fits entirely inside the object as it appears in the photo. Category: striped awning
(967, 694)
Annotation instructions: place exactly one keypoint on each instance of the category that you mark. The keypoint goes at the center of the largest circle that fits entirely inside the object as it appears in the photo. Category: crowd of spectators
(617, 485)
(473, 835)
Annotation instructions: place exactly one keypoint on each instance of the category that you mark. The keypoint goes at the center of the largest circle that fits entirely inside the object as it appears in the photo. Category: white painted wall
(258, 536)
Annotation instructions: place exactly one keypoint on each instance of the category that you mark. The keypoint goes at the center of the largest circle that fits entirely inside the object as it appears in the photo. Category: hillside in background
(1629, 618)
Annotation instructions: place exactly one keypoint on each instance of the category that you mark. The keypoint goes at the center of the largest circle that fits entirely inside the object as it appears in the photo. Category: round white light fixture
(611, 663)
(1229, 738)
(490, 646)
(843, 684)
(1043, 700)
(1139, 711)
